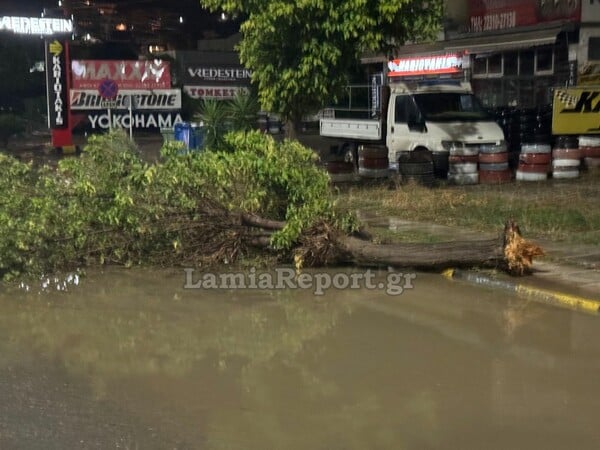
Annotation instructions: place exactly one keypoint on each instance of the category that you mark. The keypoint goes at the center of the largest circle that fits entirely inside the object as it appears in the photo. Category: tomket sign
(56, 82)
(216, 92)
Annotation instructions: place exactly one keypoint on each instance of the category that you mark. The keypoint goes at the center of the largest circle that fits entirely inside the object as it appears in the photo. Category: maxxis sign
(56, 83)
(127, 74)
(576, 111)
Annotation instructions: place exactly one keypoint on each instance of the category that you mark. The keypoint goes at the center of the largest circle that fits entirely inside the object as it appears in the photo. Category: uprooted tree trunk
(323, 245)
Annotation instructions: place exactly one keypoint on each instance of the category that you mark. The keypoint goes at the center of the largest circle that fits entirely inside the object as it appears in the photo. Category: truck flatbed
(360, 129)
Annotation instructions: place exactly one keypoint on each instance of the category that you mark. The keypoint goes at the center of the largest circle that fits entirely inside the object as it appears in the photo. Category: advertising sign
(89, 74)
(56, 84)
(444, 64)
(137, 120)
(203, 74)
(216, 92)
(157, 99)
(490, 15)
(44, 26)
(576, 111)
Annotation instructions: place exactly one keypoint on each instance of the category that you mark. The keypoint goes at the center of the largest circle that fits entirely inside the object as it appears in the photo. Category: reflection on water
(443, 365)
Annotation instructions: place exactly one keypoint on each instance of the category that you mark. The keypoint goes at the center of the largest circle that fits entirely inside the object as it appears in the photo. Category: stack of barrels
(566, 158)
(534, 162)
(373, 161)
(590, 151)
(462, 165)
(341, 166)
(493, 165)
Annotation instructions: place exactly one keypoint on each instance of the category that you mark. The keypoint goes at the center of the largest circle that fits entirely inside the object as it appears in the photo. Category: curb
(545, 296)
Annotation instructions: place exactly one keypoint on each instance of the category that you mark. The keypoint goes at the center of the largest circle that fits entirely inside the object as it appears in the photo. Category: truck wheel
(418, 172)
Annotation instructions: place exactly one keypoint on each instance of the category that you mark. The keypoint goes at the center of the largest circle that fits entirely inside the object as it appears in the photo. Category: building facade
(515, 52)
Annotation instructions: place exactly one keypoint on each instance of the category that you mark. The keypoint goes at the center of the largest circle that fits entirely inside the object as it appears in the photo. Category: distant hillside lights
(36, 26)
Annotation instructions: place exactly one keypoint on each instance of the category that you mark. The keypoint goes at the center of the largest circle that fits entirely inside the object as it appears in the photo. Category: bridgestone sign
(158, 99)
(36, 26)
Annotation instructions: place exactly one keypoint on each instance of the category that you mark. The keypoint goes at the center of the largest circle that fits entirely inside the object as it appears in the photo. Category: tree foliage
(110, 206)
(301, 51)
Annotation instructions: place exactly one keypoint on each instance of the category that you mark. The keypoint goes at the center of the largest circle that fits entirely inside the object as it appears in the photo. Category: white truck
(416, 122)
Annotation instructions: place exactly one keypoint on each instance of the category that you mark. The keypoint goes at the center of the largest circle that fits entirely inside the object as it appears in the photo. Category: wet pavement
(130, 359)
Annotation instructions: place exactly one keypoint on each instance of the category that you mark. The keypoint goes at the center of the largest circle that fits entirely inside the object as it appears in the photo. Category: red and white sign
(216, 92)
(490, 15)
(157, 99)
(428, 65)
(89, 74)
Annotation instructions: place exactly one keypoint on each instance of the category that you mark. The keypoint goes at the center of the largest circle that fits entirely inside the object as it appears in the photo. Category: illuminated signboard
(155, 99)
(427, 65)
(128, 74)
(36, 25)
(56, 81)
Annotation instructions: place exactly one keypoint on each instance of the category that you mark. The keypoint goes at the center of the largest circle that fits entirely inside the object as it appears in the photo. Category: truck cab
(437, 118)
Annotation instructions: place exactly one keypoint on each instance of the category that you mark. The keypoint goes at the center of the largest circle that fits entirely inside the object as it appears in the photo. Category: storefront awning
(495, 43)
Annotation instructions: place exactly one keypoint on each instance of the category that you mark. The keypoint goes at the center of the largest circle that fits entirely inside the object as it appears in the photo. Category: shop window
(480, 65)
(544, 61)
(495, 64)
(485, 66)
(526, 62)
(511, 63)
(594, 48)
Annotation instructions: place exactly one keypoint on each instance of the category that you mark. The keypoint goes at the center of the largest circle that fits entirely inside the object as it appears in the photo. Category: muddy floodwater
(132, 359)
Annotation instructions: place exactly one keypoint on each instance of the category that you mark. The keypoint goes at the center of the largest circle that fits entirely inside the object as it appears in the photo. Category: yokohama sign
(137, 120)
(155, 74)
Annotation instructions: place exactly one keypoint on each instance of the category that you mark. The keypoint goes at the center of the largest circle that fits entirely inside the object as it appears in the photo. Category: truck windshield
(450, 106)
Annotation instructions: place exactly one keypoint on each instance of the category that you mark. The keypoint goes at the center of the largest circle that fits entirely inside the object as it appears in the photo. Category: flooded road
(130, 359)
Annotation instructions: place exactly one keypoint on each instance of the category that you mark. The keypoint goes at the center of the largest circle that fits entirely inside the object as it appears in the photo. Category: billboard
(56, 84)
(576, 111)
(214, 92)
(128, 74)
(207, 74)
(490, 15)
(157, 99)
(36, 26)
(138, 120)
(443, 64)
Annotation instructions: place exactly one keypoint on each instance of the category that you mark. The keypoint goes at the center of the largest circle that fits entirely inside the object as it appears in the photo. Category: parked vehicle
(417, 121)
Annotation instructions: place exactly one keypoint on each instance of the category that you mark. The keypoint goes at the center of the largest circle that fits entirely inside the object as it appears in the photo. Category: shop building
(516, 51)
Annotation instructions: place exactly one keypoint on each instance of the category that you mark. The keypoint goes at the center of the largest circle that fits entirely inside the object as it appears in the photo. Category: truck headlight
(498, 147)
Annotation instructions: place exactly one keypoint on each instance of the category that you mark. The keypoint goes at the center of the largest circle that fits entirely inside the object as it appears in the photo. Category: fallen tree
(254, 197)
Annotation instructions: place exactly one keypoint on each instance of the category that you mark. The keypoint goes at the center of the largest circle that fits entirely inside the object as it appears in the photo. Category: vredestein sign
(41, 26)
(56, 83)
